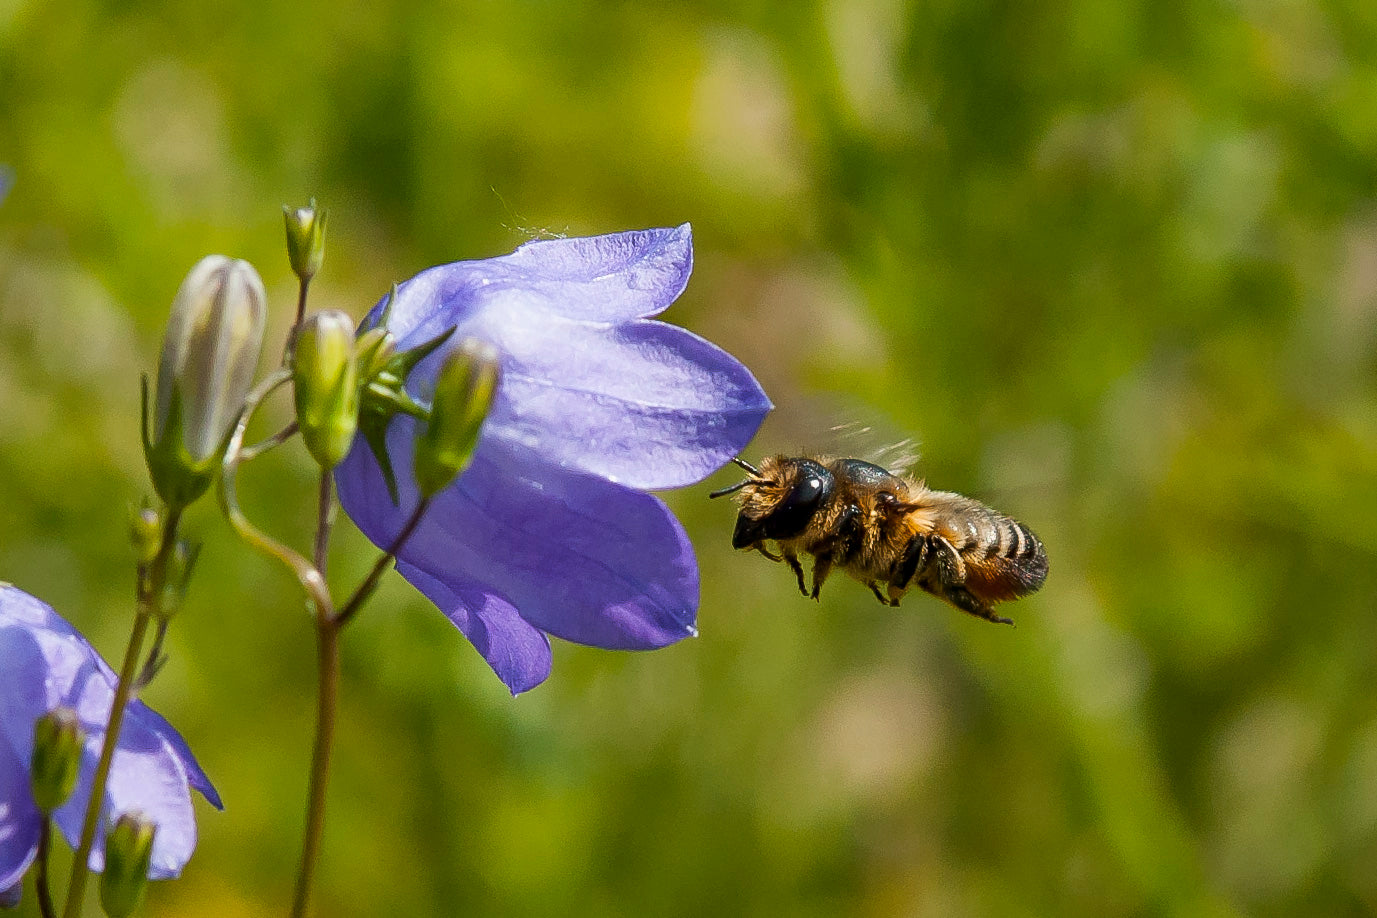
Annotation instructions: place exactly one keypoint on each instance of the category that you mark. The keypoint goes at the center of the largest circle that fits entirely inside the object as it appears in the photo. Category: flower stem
(311, 579)
(328, 628)
(76, 887)
(150, 584)
(351, 608)
(327, 653)
(325, 520)
(46, 907)
(289, 349)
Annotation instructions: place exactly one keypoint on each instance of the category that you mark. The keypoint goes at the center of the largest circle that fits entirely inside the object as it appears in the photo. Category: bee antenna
(756, 478)
(730, 489)
(747, 466)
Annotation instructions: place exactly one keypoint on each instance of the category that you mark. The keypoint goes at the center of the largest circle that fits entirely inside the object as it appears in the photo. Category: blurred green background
(1113, 267)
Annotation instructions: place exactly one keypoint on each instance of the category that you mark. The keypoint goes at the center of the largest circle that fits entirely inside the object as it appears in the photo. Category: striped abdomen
(1002, 558)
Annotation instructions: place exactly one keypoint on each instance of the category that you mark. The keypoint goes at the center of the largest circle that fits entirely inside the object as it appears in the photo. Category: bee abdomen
(1002, 551)
(1020, 548)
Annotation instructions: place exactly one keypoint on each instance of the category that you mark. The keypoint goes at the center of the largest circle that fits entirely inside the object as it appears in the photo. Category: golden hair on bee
(885, 530)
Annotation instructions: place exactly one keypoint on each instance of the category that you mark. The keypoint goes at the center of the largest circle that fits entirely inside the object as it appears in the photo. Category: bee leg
(792, 561)
(966, 601)
(822, 566)
(884, 600)
(760, 547)
(913, 563)
(951, 577)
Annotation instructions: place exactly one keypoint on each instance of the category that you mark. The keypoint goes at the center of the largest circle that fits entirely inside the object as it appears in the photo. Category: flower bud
(464, 391)
(128, 851)
(9, 898)
(145, 533)
(181, 564)
(57, 743)
(325, 375)
(305, 238)
(210, 352)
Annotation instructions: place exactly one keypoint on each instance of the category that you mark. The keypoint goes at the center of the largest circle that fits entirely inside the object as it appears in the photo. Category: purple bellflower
(549, 531)
(48, 664)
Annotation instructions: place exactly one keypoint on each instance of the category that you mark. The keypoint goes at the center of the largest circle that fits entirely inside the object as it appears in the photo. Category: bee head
(779, 499)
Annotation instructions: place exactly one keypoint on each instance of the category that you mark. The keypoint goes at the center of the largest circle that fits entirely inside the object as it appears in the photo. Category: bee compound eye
(791, 514)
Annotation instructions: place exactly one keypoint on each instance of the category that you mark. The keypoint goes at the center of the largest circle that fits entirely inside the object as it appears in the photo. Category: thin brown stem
(301, 303)
(351, 608)
(325, 520)
(289, 349)
(150, 581)
(46, 907)
(327, 653)
(76, 887)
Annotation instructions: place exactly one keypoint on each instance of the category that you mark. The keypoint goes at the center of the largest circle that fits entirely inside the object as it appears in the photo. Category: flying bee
(885, 531)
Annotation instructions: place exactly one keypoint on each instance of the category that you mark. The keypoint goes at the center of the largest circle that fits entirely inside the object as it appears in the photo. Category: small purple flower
(48, 664)
(549, 530)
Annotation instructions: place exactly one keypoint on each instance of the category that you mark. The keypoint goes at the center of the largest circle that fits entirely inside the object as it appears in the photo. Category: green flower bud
(210, 352)
(145, 533)
(57, 743)
(181, 564)
(325, 374)
(305, 238)
(128, 851)
(464, 391)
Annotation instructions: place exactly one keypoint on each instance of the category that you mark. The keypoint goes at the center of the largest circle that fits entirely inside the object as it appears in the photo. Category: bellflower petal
(586, 381)
(517, 651)
(19, 819)
(547, 531)
(48, 664)
(9, 898)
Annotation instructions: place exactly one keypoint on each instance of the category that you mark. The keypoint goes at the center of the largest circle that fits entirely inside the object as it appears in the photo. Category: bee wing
(876, 442)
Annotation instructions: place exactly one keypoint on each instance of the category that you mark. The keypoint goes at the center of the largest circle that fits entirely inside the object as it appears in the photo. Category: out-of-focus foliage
(1112, 264)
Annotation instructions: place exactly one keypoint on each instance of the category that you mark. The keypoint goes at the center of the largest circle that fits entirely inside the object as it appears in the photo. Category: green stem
(328, 628)
(289, 349)
(76, 887)
(250, 453)
(46, 907)
(327, 652)
(150, 584)
(311, 580)
(325, 520)
(351, 608)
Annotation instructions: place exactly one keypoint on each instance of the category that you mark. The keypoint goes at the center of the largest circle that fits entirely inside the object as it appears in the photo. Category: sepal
(57, 743)
(384, 371)
(128, 852)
